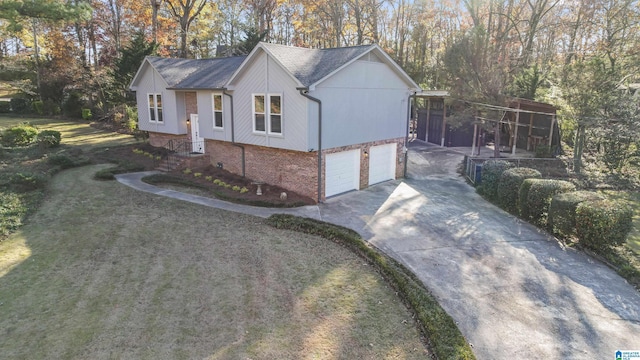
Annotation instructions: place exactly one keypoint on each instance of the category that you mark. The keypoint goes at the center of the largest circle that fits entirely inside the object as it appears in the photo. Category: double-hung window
(217, 111)
(155, 108)
(267, 113)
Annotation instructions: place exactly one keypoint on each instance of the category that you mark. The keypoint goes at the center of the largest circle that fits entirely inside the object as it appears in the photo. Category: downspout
(406, 137)
(305, 92)
(233, 133)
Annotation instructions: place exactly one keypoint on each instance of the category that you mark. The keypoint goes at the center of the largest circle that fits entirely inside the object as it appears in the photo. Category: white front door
(196, 140)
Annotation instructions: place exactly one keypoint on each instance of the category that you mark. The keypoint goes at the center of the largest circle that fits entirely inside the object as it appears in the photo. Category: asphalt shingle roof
(196, 74)
(312, 65)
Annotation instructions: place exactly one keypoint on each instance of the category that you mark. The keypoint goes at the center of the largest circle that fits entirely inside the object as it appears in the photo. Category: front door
(197, 142)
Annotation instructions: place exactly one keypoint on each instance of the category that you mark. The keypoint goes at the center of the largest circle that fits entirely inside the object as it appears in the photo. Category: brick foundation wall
(160, 139)
(293, 170)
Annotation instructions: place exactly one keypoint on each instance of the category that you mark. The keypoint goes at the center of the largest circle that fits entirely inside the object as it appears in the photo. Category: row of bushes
(596, 222)
(25, 135)
(72, 107)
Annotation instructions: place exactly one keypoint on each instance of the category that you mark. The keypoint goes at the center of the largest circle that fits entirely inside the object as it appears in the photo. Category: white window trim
(214, 111)
(267, 114)
(155, 108)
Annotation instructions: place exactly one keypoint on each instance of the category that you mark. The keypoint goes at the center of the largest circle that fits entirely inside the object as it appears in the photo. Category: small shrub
(29, 181)
(509, 186)
(244, 190)
(50, 107)
(236, 188)
(63, 161)
(562, 211)
(603, 224)
(73, 105)
(217, 182)
(541, 191)
(49, 138)
(38, 107)
(197, 175)
(227, 186)
(20, 106)
(208, 178)
(158, 158)
(491, 172)
(5, 107)
(86, 114)
(543, 151)
(187, 171)
(21, 135)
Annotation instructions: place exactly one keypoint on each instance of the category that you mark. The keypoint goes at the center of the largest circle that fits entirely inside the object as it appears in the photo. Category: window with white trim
(267, 113)
(217, 112)
(155, 108)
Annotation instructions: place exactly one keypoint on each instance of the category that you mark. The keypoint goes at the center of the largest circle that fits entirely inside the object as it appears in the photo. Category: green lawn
(103, 271)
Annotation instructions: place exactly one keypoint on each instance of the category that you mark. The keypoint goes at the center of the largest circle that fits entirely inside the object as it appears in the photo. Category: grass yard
(102, 271)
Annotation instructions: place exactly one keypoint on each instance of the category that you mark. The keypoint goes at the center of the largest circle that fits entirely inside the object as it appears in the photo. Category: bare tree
(185, 11)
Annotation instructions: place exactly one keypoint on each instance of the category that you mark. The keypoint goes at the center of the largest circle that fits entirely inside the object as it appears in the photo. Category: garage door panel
(342, 172)
(382, 163)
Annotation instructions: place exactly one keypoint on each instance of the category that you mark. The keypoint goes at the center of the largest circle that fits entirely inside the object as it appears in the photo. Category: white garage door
(382, 163)
(342, 172)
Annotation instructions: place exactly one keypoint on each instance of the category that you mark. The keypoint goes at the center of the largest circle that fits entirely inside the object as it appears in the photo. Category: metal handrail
(180, 148)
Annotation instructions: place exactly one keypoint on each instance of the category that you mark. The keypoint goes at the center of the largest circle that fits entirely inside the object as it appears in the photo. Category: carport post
(475, 135)
(515, 132)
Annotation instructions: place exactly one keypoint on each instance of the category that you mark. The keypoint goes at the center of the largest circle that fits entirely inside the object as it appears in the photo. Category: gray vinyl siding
(264, 76)
(364, 102)
(205, 116)
(151, 83)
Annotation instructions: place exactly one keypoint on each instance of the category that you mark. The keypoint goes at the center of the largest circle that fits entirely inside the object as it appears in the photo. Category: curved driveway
(514, 291)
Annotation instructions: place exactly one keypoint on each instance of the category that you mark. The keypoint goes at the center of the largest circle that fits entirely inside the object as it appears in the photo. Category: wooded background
(583, 56)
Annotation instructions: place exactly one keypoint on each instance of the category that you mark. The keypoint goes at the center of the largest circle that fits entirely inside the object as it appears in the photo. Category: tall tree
(185, 11)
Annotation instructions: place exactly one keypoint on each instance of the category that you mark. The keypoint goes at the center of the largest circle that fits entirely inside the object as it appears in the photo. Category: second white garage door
(382, 163)
(342, 172)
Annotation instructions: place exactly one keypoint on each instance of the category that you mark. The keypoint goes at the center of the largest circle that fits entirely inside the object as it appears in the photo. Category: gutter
(305, 92)
(233, 134)
(406, 137)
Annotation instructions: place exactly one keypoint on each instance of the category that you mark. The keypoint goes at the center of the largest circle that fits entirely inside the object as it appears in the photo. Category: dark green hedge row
(490, 178)
(536, 196)
(509, 186)
(562, 211)
(602, 224)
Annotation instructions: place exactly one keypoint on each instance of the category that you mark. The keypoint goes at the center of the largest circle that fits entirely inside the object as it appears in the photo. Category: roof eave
(250, 57)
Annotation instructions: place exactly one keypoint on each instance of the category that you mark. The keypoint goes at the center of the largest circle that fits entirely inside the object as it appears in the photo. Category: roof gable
(190, 74)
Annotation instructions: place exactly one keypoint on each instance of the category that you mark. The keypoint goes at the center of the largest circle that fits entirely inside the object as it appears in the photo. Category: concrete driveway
(514, 291)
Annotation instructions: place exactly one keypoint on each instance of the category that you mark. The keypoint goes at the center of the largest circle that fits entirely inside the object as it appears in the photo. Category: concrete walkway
(513, 290)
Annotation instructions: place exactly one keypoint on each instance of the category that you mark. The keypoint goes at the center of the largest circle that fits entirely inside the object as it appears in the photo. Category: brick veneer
(293, 170)
(160, 139)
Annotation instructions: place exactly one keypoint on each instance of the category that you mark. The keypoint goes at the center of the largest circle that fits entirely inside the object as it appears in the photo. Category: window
(267, 107)
(217, 111)
(155, 108)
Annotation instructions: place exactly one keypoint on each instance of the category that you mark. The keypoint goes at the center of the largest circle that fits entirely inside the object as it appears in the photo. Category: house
(525, 124)
(319, 122)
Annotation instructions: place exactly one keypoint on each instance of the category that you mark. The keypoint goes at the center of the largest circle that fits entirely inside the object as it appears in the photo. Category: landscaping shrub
(544, 151)
(509, 186)
(50, 107)
(539, 196)
(49, 138)
(20, 106)
(86, 114)
(67, 162)
(603, 224)
(20, 135)
(73, 105)
(5, 107)
(38, 107)
(490, 178)
(29, 181)
(562, 211)
(120, 168)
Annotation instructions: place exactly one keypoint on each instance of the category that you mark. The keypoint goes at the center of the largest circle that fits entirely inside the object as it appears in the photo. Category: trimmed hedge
(490, 178)
(562, 211)
(20, 135)
(538, 198)
(603, 224)
(5, 107)
(445, 338)
(509, 186)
